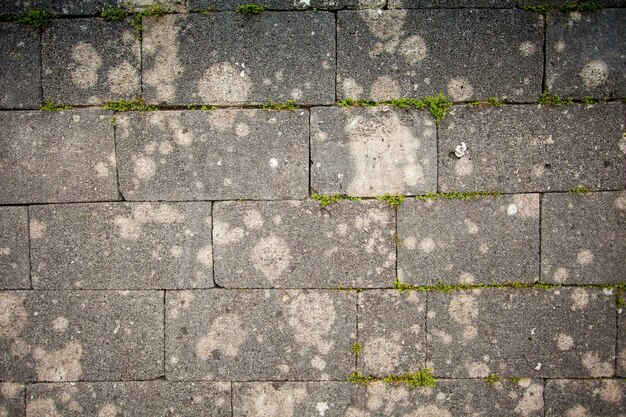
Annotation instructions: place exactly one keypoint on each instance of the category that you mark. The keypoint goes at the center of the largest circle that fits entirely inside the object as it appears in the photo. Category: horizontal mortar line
(244, 200)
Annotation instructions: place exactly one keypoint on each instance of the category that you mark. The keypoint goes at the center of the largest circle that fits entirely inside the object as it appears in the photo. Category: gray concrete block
(14, 250)
(457, 241)
(55, 157)
(491, 4)
(229, 58)
(399, 53)
(137, 399)
(575, 397)
(121, 246)
(293, 399)
(20, 66)
(532, 148)
(12, 400)
(90, 61)
(585, 54)
(621, 336)
(457, 398)
(373, 151)
(260, 335)
(558, 333)
(583, 238)
(222, 154)
(81, 335)
(392, 332)
(297, 244)
(202, 5)
(84, 7)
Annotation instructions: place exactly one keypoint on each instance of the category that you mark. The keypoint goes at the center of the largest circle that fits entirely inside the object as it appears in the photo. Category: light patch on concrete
(527, 205)
(37, 229)
(477, 370)
(580, 298)
(224, 235)
(59, 365)
(108, 410)
(511, 210)
(430, 411)
(413, 49)
(13, 315)
(268, 401)
(470, 332)
(446, 338)
(253, 220)
(322, 408)
(351, 88)
(271, 257)
(382, 355)
(620, 202)
(182, 301)
(163, 213)
(42, 407)
(102, 170)
(165, 148)
(410, 242)
(318, 363)
(584, 257)
(85, 65)
(427, 245)
(145, 168)
(527, 48)
(127, 228)
(610, 391)
(577, 411)
(242, 129)
(595, 74)
(559, 46)
(621, 359)
(591, 361)
(463, 308)
(532, 400)
(466, 278)
(564, 342)
(10, 390)
(384, 25)
(222, 83)
(463, 167)
(60, 324)
(205, 256)
(560, 275)
(459, 89)
(472, 228)
(123, 79)
(385, 88)
(311, 316)
(160, 41)
(226, 335)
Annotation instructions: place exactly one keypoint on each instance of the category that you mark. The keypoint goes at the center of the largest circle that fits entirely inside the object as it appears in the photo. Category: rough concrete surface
(200, 5)
(19, 66)
(489, 4)
(495, 239)
(12, 399)
(372, 151)
(298, 244)
(197, 155)
(121, 246)
(532, 148)
(14, 255)
(399, 53)
(585, 397)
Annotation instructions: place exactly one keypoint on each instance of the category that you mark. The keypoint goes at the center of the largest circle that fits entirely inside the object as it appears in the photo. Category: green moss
(589, 100)
(208, 10)
(35, 17)
(581, 6)
(397, 240)
(49, 105)
(458, 196)
(494, 101)
(129, 105)
(392, 200)
(515, 379)
(327, 199)
(445, 288)
(203, 108)
(361, 102)
(581, 189)
(356, 348)
(541, 8)
(438, 106)
(136, 20)
(113, 121)
(554, 100)
(358, 378)
(114, 14)
(272, 105)
(420, 378)
(493, 379)
(346, 102)
(250, 9)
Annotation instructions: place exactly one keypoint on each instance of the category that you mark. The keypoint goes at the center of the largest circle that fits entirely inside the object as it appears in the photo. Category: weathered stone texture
(501, 4)
(455, 241)
(229, 58)
(558, 333)
(121, 246)
(84, 7)
(222, 154)
(294, 399)
(583, 238)
(621, 336)
(55, 157)
(585, 54)
(373, 151)
(399, 53)
(90, 61)
(571, 397)
(298, 244)
(259, 335)
(81, 335)
(201, 5)
(137, 399)
(12, 400)
(532, 148)
(20, 67)
(392, 332)
(14, 258)
(457, 398)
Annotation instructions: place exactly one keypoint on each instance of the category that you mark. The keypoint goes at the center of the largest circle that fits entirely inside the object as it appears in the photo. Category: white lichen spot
(413, 49)
(160, 42)
(145, 168)
(560, 275)
(269, 401)
(253, 220)
(242, 129)
(165, 148)
(226, 336)
(318, 363)
(472, 228)
(271, 257)
(163, 213)
(527, 205)
(532, 400)
(273, 163)
(37, 229)
(470, 332)
(85, 65)
(410, 242)
(108, 410)
(580, 298)
(205, 256)
(427, 245)
(222, 83)
(511, 210)
(176, 251)
(459, 89)
(577, 411)
(463, 308)
(322, 408)
(466, 278)
(60, 324)
(559, 46)
(610, 391)
(312, 316)
(459, 150)
(591, 361)
(224, 235)
(430, 411)
(595, 74)
(13, 315)
(127, 228)
(385, 88)
(123, 79)
(59, 365)
(102, 170)
(382, 354)
(564, 342)
(477, 369)
(351, 88)
(584, 257)
(527, 48)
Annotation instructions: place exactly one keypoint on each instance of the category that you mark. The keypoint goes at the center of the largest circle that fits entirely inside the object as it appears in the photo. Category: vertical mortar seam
(540, 240)
(545, 57)
(30, 249)
(213, 245)
(543, 396)
(117, 169)
(164, 331)
(336, 51)
(356, 357)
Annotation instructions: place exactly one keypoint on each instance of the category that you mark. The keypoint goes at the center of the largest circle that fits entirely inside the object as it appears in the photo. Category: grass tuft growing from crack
(458, 196)
(540, 8)
(37, 18)
(272, 105)
(423, 377)
(547, 99)
(327, 199)
(493, 379)
(136, 20)
(581, 189)
(114, 14)
(250, 9)
(391, 199)
(581, 6)
(129, 105)
(49, 105)
(357, 347)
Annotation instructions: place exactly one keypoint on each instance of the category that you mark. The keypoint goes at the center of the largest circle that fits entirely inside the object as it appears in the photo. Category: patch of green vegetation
(358, 378)
(515, 379)
(327, 199)
(114, 14)
(541, 8)
(136, 20)
(250, 9)
(458, 196)
(423, 377)
(272, 105)
(49, 105)
(445, 288)
(35, 17)
(554, 100)
(346, 102)
(397, 240)
(494, 101)
(129, 105)
(438, 105)
(406, 103)
(581, 6)
(113, 121)
(589, 100)
(208, 10)
(203, 108)
(391, 199)
(620, 301)
(361, 102)
(493, 379)
(357, 347)
(581, 189)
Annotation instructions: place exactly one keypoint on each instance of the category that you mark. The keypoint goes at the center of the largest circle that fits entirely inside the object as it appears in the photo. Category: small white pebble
(538, 367)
